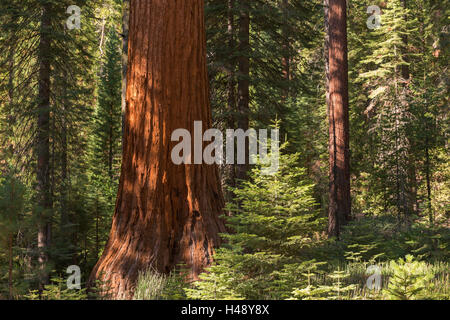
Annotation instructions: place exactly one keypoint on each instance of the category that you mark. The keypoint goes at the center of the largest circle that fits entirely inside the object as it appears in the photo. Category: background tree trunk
(229, 172)
(286, 59)
(243, 78)
(339, 193)
(412, 205)
(43, 145)
(326, 49)
(166, 214)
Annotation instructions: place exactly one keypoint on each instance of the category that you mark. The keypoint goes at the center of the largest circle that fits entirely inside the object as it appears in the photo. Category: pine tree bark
(43, 144)
(339, 192)
(64, 157)
(64, 188)
(166, 214)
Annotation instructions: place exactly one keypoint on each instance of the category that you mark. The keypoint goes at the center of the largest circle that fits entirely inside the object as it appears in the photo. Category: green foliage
(400, 279)
(12, 205)
(410, 279)
(14, 220)
(152, 285)
(397, 115)
(149, 286)
(380, 238)
(216, 284)
(105, 143)
(107, 129)
(275, 223)
(57, 290)
(337, 290)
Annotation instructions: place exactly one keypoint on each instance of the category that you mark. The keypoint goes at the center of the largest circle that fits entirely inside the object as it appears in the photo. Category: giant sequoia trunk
(338, 113)
(166, 214)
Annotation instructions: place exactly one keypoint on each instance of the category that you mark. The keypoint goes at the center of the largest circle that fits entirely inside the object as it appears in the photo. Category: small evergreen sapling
(273, 227)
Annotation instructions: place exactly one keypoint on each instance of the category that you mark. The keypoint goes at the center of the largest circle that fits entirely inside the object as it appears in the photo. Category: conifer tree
(107, 129)
(272, 231)
(49, 85)
(391, 115)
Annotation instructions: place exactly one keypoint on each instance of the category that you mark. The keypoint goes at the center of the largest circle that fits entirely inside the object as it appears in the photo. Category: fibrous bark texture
(166, 214)
(338, 112)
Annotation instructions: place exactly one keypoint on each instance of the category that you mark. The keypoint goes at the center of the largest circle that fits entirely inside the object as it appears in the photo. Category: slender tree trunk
(65, 228)
(7, 147)
(166, 214)
(43, 145)
(11, 113)
(428, 178)
(10, 269)
(229, 172)
(102, 39)
(427, 141)
(285, 60)
(97, 226)
(244, 78)
(339, 193)
(405, 68)
(64, 184)
(326, 50)
(412, 180)
(110, 143)
(10, 246)
(64, 158)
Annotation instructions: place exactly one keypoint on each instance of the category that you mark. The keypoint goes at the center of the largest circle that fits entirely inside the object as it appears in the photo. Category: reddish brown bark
(166, 214)
(339, 192)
